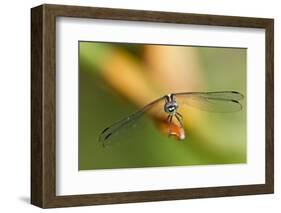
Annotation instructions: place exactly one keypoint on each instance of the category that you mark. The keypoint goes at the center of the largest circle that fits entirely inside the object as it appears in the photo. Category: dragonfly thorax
(171, 107)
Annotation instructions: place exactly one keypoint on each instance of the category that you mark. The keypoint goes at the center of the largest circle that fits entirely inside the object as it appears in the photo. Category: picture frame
(44, 114)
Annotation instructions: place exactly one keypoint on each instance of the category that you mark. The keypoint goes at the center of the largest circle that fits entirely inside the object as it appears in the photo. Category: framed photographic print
(135, 106)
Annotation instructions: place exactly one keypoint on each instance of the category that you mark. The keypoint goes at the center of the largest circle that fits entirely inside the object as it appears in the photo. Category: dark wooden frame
(43, 107)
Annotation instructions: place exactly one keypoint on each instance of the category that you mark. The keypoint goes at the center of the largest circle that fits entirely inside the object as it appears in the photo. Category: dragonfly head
(171, 107)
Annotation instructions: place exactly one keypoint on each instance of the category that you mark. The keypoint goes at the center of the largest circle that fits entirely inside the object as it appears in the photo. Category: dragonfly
(168, 105)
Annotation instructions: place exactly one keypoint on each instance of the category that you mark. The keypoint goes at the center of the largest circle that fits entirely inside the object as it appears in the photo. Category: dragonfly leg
(170, 118)
(179, 118)
(179, 115)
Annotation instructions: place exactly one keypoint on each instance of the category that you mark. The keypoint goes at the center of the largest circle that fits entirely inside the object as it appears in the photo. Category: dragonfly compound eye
(170, 107)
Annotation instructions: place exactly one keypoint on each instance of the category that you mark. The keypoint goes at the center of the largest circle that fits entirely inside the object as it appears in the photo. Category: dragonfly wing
(225, 101)
(151, 108)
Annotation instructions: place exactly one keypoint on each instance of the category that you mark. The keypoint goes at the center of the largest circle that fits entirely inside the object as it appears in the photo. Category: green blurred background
(117, 79)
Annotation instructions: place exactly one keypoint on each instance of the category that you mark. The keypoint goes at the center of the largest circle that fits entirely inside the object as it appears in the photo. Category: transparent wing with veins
(225, 101)
(154, 108)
